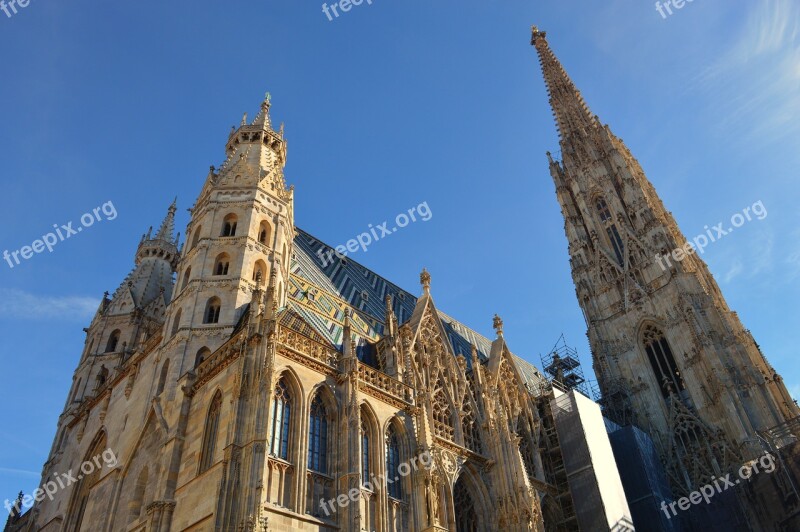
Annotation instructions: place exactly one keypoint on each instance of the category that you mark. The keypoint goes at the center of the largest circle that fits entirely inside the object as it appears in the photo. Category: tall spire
(262, 118)
(167, 228)
(569, 109)
(164, 244)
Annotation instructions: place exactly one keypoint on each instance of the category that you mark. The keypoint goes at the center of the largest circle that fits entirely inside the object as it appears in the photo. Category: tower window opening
(221, 264)
(212, 310)
(659, 354)
(264, 233)
(611, 229)
(229, 225)
(113, 340)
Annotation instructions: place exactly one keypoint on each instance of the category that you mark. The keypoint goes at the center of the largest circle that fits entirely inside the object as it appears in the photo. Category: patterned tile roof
(321, 294)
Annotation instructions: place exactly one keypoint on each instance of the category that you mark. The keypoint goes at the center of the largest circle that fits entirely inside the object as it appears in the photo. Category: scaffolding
(563, 367)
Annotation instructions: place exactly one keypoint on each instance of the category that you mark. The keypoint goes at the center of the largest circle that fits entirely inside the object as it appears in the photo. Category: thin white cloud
(733, 272)
(756, 85)
(20, 472)
(18, 304)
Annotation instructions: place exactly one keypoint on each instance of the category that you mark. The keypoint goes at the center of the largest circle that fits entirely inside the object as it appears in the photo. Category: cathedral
(244, 386)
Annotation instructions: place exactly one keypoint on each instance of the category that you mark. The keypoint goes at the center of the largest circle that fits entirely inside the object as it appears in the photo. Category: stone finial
(536, 34)
(425, 280)
(497, 323)
(244, 120)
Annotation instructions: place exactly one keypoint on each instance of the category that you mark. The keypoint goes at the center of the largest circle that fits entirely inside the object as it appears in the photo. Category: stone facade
(265, 391)
(669, 354)
(262, 386)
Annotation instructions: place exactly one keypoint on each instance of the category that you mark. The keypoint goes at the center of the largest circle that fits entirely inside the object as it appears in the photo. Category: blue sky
(388, 106)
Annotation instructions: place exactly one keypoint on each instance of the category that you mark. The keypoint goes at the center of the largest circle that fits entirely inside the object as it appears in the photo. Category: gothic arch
(469, 481)
(79, 500)
(321, 448)
(331, 406)
(211, 433)
(297, 409)
(148, 444)
(656, 350)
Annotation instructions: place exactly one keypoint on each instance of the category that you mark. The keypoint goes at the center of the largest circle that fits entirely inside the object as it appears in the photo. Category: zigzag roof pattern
(322, 294)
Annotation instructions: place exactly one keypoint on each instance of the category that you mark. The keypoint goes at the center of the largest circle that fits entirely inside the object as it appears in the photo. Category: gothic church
(259, 387)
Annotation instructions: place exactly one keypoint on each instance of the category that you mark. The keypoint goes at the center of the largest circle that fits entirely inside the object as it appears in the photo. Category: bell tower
(669, 354)
(240, 233)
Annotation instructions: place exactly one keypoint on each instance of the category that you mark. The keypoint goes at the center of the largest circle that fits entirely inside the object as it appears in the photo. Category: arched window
(176, 323)
(264, 232)
(607, 220)
(229, 225)
(280, 422)
(162, 379)
(469, 427)
(211, 314)
(210, 433)
(365, 462)
(395, 487)
(662, 362)
(101, 377)
(201, 355)
(84, 488)
(137, 499)
(196, 236)
(260, 267)
(466, 516)
(221, 264)
(442, 415)
(77, 390)
(318, 437)
(113, 340)
(186, 277)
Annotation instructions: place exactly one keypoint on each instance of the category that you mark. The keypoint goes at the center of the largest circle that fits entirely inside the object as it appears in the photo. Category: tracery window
(210, 433)
(318, 437)
(442, 415)
(469, 427)
(662, 361)
(280, 422)
(365, 463)
(395, 488)
(607, 220)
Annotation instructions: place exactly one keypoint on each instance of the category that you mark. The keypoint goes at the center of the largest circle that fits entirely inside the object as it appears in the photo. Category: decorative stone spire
(569, 109)
(167, 228)
(497, 323)
(262, 118)
(425, 280)
(163, 244)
